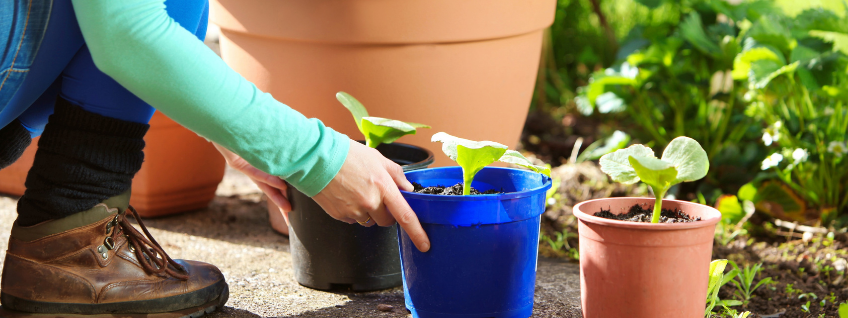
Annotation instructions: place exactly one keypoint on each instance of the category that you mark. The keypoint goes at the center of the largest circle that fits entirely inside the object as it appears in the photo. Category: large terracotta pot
(464, 67)
(181, 171)
(643, 270)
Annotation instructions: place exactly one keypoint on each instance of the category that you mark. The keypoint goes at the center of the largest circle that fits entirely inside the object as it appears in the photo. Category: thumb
(396, 172)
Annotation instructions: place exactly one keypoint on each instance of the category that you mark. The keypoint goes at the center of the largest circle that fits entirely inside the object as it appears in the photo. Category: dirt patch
(641, 215)
(455, 189)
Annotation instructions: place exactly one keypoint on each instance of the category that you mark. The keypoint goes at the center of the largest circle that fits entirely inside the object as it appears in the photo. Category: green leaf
(417, 125)
(383, 131)
(839, 40)
(730, 303)
(843, 310)
(657, 173)
(803, 53)
(687, 156)
(516, 158)
(472, 156)
(748, 192)
(742, 62)
(618, 140)
(772, 29)
(354, 106)
(716, 273)
(597, 87)
(730, 208)
(692, 29)
(617, 164)
(760, 81)
(651, 4)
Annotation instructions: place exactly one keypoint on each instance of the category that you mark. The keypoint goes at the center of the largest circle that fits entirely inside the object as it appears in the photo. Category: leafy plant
(473, 156)
(794, 71)
(843, 310)
(674, 79)
(744, 281)
(560, 243)
(717, 279)
(376, 130)
(683, 160)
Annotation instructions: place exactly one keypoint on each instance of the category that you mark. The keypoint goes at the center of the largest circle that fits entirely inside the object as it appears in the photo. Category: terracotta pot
(464, 67)
(643, 270)
(181, 171)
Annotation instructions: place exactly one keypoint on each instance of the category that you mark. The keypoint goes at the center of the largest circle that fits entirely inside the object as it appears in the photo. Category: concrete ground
(233, 233)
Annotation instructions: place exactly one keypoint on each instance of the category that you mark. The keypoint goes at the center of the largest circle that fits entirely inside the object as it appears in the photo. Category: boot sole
(134, 309)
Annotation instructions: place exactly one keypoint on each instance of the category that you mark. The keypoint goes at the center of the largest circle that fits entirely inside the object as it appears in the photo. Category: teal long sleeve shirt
(136, 43)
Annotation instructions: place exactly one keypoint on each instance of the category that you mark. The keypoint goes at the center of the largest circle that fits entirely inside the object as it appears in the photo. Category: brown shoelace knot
(150, 254)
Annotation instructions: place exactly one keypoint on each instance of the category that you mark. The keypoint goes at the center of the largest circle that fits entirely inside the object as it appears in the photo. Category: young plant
(376, 130)
(683, 160)
(717, 279)
(473, 156)
(843, 310)
(744, 282)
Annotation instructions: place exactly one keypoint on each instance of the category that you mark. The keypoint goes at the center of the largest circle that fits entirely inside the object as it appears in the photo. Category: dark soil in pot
(641, 214)
(455, 189)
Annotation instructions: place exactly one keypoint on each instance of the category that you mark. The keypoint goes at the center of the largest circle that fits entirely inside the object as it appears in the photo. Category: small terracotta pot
(458, 66)
(180, 173)
(644, 270)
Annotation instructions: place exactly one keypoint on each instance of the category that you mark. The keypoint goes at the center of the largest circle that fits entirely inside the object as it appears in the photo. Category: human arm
(136, 43)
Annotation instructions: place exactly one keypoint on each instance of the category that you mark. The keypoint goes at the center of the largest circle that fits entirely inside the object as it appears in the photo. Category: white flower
(828, 111)
(800, 155)
(772, 134)
(837, 148)
(771, 161)
(767, 138)
(629, 71)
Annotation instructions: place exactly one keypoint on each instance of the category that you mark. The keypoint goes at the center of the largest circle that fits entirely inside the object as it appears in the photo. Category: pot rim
(713, 216)
(423, 163)
(546, 184)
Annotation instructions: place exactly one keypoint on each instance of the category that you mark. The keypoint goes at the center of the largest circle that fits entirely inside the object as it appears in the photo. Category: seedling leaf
(376, 130)
(516, 158)
(843, 310)
(384, 131)
(657, 173)
(354, 106)
(687, 156)
(472, 156)
(617, 164)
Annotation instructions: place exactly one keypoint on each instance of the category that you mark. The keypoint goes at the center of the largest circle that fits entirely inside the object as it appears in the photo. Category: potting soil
(456, 189)
(639, 214)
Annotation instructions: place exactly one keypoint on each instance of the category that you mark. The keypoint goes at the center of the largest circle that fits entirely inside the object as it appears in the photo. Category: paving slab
(233, 233)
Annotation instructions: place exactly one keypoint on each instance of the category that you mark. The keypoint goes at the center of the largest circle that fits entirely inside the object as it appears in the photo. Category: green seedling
(744, 281)
(473, 156)
(717, 279)
(806, 307)
(376, 130)
(843, 310)
(683, 160)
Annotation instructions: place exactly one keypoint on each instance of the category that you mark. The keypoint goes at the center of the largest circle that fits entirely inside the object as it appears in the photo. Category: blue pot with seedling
(484, 237)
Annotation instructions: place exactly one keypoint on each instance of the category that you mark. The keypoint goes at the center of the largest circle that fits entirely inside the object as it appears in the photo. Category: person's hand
(272, 186)
(365, 191)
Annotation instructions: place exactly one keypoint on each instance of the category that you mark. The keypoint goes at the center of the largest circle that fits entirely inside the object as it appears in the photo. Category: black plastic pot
(330, 254)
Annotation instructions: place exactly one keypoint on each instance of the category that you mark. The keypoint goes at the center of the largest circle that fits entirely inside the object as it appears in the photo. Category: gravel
(233, 233)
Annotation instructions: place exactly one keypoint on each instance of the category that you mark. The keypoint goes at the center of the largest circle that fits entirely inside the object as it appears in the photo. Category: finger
(382, 217)
(407, 219)
(396, 172)
(367, 221)
(276, 196)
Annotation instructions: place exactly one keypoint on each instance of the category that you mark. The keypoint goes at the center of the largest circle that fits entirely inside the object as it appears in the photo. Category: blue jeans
(63, 64)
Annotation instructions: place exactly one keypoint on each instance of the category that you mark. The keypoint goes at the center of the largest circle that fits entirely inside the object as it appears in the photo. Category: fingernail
(425, 247)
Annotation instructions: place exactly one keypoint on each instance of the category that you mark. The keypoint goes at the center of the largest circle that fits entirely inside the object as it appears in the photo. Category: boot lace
(149, 253)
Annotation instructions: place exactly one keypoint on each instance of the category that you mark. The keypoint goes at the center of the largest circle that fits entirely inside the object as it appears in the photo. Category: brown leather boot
(95, 262)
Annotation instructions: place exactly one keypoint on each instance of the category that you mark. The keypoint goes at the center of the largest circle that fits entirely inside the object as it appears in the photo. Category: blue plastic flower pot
(482, 260)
